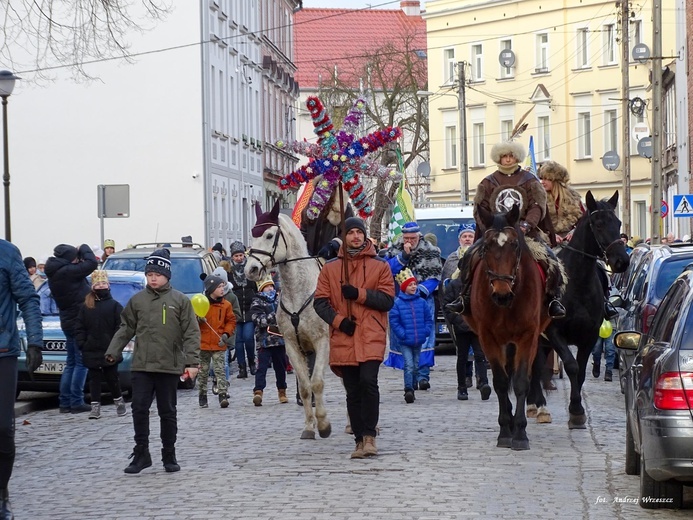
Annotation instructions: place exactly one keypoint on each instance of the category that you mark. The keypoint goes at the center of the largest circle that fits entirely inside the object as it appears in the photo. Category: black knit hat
(29, 262)
(159, 262)
(66, 252)
(355, 222)
(218, 247)
(212, 282)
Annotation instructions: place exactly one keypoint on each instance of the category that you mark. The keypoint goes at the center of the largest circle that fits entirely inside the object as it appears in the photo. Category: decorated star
(339, 156)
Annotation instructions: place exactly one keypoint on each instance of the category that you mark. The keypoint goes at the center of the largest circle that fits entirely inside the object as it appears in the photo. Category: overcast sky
(353, 4)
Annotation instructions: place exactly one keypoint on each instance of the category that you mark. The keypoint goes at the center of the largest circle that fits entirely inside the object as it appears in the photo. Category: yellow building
(567, 68)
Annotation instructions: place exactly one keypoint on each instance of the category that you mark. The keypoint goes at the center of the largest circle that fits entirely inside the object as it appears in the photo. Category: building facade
(566, 69)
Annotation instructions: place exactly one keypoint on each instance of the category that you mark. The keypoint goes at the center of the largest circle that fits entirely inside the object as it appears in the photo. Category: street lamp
(462, 112)
(7, 80)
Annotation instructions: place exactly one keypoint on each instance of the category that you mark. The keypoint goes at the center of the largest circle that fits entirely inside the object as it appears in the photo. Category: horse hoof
(544, 418)
(504, 442)
(308, 434)
(519, 445)
(577, 422)
(325, 432)
(531, 411)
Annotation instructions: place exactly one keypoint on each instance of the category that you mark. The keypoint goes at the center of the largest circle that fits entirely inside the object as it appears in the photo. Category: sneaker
(121, 410)
(424, 384)
(168, 457)
(485, 391)
(95, 411)
(409, 396)
(595, 369)
(608, 376)
(203, 401)
(80, 408)
(462, 394)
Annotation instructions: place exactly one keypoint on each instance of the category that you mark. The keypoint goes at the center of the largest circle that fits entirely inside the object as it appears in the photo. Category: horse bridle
(604, 250)
(510, 279)
(252, 252)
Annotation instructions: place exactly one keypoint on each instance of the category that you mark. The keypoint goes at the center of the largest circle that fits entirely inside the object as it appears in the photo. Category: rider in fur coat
(564, 205)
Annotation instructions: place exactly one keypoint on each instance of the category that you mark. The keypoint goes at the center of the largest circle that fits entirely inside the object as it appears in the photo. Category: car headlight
(130, 346)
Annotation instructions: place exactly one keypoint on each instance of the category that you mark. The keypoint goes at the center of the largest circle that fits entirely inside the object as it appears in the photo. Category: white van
(444, 222)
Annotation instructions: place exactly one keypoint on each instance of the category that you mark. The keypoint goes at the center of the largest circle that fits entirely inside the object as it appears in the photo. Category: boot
(462, 394)
(120, 406)
(215, 387)
(595, 369)
(5, 506)
(168, 457)
(252, 367)
(282, 395)
(608, 376)
(485, 391)
(224, 400)
(358, 452)
(95, 411)
(468, 381)
(610, 312)
(242, 372)
(409, 396)
(257, 397)
(424, 384)
(556, 309)
(369, 449)
(203, 401)
(140, 459)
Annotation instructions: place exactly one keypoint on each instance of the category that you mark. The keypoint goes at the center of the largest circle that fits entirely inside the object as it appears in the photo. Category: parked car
(657, 269)
(46, 378)
(187, 263)
(659, 399)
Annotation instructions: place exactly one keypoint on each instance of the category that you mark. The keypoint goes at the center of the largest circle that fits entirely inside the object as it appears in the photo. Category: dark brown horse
(508, 313)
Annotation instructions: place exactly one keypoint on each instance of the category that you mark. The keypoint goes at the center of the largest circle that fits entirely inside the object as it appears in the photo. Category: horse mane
(288, 227)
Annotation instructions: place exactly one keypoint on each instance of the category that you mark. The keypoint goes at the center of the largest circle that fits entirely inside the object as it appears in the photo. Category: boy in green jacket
(167, 343)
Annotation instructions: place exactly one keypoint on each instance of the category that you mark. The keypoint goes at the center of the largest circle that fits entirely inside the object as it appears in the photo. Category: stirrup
(556, 309)
(456, 306)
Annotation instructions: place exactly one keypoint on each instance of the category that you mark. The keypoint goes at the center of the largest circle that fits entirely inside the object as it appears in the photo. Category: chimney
(411, 7)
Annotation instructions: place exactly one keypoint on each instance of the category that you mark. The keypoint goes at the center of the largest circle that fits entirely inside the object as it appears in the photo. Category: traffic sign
(683, 205)
(665, 208)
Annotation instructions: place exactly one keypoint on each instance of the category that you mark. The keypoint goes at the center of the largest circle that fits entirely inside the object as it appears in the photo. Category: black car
(659, 399)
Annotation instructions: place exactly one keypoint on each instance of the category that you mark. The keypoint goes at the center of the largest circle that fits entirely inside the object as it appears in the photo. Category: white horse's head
(276, 239)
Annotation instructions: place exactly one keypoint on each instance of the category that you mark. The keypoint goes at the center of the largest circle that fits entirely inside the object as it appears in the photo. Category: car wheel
(667, 494)
(632, 457)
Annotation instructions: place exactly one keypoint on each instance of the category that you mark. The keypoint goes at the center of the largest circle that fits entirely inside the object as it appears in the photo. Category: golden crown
(403, 275)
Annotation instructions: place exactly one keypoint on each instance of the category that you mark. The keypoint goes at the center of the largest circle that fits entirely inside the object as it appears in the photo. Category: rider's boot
(554, 286)
(463, 303)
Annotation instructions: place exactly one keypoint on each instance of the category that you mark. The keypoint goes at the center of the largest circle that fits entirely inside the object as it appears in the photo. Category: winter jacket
(220, 320)
(233, 300)
(69, 286)
(451, 289)
(411, 319)
(95, 328)
(264, 313)
(424, 261)
(245, 295)
(17, 289)
(168, 337)
(372, 277)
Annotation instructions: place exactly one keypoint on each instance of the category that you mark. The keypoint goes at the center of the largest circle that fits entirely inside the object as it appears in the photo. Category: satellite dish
(423, 169)
(611, 160)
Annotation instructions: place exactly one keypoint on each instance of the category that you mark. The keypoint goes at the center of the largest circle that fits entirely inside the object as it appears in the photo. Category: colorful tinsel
(339, 157)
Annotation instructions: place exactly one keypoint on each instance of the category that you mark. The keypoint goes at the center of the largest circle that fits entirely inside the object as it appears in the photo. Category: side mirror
(627, 340)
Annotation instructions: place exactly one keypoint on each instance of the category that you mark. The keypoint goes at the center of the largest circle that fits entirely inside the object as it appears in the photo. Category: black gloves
(350, 292)
(34, 358)
(348, 327)
(223, 339)
(331, 249)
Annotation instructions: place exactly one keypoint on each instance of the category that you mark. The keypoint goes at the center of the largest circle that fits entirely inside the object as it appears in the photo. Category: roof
(329, 38)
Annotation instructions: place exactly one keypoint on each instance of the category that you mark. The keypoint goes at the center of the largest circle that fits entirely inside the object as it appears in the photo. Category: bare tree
(389, 76)
(41, 35)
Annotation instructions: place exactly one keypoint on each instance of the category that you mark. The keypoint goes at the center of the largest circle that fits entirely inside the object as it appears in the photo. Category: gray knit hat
(236, 247)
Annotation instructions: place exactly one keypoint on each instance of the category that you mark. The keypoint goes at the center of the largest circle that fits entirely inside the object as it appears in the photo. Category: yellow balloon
(606, 329)
(200, 304)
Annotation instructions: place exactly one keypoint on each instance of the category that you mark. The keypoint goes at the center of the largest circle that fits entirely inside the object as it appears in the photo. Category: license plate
(51, 368)
(443, 328)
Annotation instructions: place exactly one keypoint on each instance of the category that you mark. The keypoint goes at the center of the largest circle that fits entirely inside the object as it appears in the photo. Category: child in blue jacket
(411, 321)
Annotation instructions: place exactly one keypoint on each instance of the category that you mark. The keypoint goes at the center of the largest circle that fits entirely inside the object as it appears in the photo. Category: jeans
(74, 376)
(146, 385)
(362, 397)
(276, 355)
(425, 372)
(8, 387)
(245, 342)
(411, 365)
(607, 347)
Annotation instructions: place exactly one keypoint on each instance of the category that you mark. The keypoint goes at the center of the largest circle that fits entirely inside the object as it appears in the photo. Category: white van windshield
(447, 230)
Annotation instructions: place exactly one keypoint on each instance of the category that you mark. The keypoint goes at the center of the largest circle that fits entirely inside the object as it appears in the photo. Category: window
(610, 131)
(449, 65)
(506, 126)
(543, 139)
(640, 218)
(582, 48)
(506, 72)
(477, 63)
(610, 46)
(635, 36)
(542, 53)
(451, 147)
(478, 143)
(584, 135)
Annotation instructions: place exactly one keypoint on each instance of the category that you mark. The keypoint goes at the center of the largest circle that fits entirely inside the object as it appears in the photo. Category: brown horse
(508, 313)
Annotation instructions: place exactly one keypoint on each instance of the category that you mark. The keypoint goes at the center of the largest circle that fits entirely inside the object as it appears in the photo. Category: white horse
(278, 242)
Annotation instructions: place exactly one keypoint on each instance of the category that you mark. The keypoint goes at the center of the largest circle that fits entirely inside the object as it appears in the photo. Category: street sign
(640, 131)
(113, 200)
(665, 209)
(683, 205)
(506, 58)
(611, 160)
(645, 147)
(641, 52)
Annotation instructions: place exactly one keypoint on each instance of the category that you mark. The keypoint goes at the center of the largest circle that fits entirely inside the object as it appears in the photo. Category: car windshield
(123, 291)
(446, 230)
(668, 273)
(185, 272)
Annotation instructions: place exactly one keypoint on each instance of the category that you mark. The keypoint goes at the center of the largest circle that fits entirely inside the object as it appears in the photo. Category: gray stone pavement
(437, 460)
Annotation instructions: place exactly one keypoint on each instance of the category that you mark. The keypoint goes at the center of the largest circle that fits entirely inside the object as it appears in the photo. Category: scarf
(353, 251)
(238, 273)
